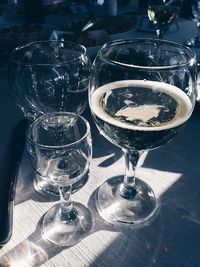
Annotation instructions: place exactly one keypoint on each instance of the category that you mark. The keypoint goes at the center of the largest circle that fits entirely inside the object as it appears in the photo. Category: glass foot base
(43, 187)
(66, 233)
(116, 209)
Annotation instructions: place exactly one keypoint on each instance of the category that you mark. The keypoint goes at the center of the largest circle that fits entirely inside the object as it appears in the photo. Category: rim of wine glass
(80, 47)
(187, 51)
(40, 118)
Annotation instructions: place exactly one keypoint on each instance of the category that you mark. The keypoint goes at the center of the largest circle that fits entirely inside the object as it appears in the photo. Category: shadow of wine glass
(34, 250)
(171, 233)
(111, 155)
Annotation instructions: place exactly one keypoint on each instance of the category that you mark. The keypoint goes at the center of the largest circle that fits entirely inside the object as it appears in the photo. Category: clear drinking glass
(60, 150)
(50, 76)
(162, 13)
(142, 93)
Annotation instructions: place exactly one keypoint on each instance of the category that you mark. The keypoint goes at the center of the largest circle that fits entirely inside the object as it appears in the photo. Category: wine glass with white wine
(142, 93)
(162, 13)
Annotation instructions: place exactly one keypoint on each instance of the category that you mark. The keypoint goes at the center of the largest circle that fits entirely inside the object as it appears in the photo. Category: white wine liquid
(162, 16)
(148, 113)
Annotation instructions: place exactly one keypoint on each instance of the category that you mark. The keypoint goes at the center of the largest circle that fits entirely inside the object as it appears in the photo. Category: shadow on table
(173, 238)
(31, 252)
(34, 251)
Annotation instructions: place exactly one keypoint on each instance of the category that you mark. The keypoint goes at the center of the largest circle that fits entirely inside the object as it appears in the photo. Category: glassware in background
(102, 8)
(60, 150)
(50, 76)
(25, 11)
(162, 13)
(142, 94)
(195, 41)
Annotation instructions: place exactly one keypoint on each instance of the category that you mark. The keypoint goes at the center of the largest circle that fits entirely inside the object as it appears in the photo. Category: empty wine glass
(50, 76)
(142, 93)
(162, 13)
(60, 149)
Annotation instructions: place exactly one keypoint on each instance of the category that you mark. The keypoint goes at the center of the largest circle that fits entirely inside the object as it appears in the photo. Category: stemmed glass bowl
(162, 13)
(141, 95)
(60, 149)
(50, 76)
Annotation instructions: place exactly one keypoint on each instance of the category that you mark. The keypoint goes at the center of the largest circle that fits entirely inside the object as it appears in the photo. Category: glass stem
(67, 212)
(159, 33)
(127, 189)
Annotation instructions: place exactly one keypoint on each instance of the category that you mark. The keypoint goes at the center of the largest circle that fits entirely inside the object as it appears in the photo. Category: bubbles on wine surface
(141, 105)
